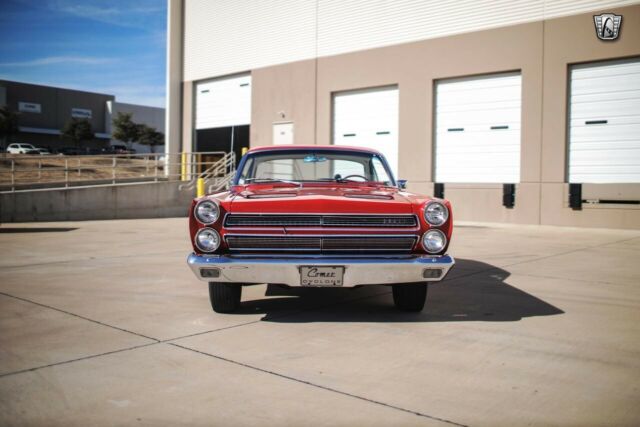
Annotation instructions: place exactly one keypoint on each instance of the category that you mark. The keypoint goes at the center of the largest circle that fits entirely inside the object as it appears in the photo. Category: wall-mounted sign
(29, 107)
(80, 113)
(607, 26)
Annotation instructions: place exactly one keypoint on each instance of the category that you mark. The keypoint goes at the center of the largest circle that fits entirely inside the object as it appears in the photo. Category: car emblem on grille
(608, 26)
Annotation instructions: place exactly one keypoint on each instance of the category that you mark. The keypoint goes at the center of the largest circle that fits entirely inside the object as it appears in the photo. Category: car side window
(379, 172)
(246, 171)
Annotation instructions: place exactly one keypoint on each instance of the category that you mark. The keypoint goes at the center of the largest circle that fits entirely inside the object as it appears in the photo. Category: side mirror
(402, 184)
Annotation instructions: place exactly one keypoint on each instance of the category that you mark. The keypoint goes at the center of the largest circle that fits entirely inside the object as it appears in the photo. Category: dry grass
(49, 169)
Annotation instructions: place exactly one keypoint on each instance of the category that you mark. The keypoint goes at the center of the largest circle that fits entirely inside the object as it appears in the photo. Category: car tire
(224, 297)
(410, 296)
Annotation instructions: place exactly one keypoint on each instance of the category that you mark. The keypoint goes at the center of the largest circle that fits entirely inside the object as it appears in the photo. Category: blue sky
(108, 46)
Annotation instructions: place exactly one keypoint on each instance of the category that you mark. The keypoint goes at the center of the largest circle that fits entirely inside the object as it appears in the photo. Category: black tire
(410, 296)
(225, 297)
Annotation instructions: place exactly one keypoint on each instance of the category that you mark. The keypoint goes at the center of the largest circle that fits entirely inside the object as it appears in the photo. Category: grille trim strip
(321, 220)
(321, 243)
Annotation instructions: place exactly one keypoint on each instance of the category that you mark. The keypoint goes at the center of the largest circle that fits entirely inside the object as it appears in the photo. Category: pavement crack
(319, 386)
(210, 331)
(78, 316)
(64, 362)
(310, 309)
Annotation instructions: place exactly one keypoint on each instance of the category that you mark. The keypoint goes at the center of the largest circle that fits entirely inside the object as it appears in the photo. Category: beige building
(518, 112)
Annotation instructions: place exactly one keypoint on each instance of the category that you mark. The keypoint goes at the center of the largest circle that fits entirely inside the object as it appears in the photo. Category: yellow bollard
(184, 166)
(200, 187)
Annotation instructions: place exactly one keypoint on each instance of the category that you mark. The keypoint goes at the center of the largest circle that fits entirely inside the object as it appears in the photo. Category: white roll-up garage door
(477, 134)
(223, 102)
(604, 123)
(368, 118)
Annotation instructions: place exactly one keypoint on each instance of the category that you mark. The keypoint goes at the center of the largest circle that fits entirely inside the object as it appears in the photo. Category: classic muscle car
(318, 216)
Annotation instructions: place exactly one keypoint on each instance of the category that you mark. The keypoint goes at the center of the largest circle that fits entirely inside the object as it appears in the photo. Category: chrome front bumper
(285, 270)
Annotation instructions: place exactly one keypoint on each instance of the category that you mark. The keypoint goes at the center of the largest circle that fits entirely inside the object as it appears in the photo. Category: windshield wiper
(341, 180)
(264, 180)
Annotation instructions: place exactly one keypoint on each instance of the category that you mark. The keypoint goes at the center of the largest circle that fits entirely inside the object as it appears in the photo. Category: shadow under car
(476, 292)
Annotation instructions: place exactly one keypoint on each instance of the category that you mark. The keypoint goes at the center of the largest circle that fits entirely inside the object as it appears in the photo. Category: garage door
(477, 133)
(223, 102)
(368, 118)
(604, 127)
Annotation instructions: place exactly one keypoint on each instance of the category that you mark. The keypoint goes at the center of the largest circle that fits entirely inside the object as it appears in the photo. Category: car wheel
(225, 297)
(410, 296)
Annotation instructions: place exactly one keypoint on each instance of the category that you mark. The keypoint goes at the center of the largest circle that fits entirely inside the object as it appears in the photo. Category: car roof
(313, 147)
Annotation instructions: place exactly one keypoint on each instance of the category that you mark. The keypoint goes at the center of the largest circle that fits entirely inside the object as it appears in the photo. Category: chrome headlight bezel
(429, 208)
(213, 206)
(211, 232)
(434, 232)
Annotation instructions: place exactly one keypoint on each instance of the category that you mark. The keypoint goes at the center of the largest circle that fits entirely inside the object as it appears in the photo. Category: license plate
(321, 276)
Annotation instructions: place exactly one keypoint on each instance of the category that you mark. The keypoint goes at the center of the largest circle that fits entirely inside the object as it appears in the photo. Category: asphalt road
(102, 323)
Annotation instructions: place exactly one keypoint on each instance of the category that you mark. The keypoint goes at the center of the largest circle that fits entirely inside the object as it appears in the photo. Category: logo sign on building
(29, 107)
(80, 113)
(608, 26)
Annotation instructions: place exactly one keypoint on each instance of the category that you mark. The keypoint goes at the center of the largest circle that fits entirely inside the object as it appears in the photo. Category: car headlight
(433, 241)
(435, 213)
(207, 240)
(207, 212)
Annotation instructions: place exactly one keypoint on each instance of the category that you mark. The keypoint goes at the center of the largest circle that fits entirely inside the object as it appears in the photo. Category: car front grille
(273, 243)
(277, 220)
(321, 244)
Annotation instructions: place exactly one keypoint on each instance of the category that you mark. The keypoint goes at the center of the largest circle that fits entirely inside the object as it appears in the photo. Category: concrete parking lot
(102, 323)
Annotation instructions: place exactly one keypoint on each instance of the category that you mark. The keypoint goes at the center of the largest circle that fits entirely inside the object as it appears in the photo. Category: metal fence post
(66, 172)
(13, 175)
(113, 169)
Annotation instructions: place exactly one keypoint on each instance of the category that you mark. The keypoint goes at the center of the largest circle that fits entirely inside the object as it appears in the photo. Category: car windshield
(297, 166)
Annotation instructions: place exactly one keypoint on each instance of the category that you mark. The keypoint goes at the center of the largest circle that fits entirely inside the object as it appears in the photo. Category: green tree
(8, 125)
(124, 129)
(78, 131)
(150, 136)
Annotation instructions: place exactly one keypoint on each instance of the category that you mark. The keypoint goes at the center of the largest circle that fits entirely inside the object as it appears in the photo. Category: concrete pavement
(102, 323)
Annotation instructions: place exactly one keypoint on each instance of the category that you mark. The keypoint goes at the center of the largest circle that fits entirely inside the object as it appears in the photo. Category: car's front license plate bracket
(325, 275)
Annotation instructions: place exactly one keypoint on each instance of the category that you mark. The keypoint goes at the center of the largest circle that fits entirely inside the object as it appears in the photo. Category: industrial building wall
(44, 110)
(55, 106)
(224, 37)
(415, 68)
(542, 52)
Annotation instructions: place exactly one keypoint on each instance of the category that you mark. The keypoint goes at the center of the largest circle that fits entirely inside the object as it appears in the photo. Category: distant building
(44, 110)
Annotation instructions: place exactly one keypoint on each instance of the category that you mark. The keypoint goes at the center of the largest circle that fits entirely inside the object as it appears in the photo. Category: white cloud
(138, 14)
(51, 60)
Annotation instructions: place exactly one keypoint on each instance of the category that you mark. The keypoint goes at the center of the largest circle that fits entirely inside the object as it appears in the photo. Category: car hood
(321, 199)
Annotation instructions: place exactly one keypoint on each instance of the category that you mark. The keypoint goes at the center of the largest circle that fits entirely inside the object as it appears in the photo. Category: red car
(319, 216)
